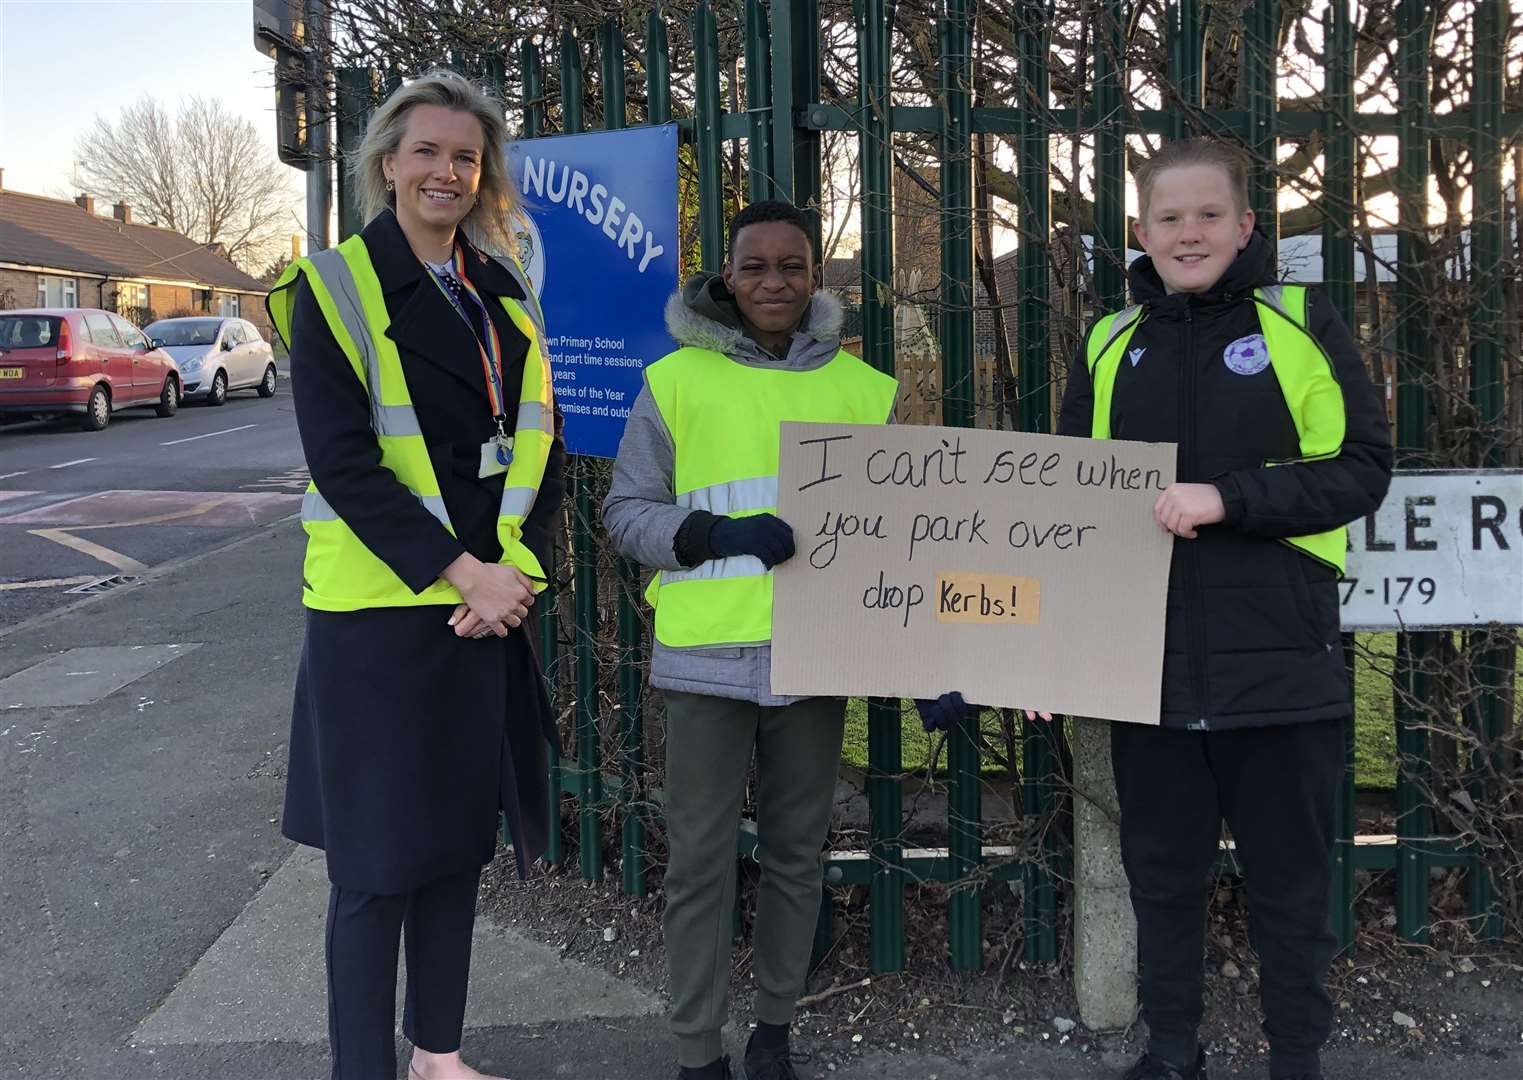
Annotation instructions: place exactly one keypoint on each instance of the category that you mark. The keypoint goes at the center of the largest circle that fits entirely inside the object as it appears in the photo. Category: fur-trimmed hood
(702, 314)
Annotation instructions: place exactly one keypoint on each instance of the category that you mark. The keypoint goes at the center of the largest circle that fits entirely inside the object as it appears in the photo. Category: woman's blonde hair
(1172, 155)
(489, 224)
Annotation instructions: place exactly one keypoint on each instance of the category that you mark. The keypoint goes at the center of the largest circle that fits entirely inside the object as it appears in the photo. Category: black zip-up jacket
(1252, 628)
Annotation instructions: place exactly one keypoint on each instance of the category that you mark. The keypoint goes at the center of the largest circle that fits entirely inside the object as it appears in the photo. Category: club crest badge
(1247, 355)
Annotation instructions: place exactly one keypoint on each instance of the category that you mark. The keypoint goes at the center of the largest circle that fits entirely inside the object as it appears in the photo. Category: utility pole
(294, 33)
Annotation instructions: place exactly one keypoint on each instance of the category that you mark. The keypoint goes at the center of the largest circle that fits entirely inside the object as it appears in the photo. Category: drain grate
(105, 584)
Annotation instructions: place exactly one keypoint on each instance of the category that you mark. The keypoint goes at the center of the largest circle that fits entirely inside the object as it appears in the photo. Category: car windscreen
(184, 331)
(29, 331)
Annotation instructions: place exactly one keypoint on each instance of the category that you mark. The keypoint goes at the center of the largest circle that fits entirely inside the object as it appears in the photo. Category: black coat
(1252, 634)
(406, 740)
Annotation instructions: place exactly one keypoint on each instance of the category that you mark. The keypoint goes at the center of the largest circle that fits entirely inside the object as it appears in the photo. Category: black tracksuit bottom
(1276, 788)
(364, 931)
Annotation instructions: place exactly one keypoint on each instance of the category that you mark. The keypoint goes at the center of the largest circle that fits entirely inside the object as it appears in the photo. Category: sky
(62, 62)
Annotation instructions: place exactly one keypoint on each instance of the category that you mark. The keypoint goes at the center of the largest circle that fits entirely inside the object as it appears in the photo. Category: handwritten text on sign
(1023, 570)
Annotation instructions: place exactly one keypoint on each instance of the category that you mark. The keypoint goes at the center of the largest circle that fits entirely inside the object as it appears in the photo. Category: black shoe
(1149, 1067)
(714, 1070)
(775, 1064)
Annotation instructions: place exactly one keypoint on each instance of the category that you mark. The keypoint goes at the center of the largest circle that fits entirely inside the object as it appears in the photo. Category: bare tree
(204, 173)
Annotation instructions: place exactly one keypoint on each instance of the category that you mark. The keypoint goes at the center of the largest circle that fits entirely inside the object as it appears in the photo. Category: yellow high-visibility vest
(340, 573)
(1305, 374)
(724, 418)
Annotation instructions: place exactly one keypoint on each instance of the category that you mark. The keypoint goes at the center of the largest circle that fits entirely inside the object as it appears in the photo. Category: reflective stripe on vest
(724, 418)
(1301, 366)
(340, 573)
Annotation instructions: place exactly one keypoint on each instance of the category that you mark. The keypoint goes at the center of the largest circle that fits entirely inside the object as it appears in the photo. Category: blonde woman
(422, 394)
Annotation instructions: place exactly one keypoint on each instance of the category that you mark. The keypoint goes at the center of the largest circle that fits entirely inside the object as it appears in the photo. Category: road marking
(193, 438)
(47, 583)
(115, 559)
(77, 461)
(7, 476)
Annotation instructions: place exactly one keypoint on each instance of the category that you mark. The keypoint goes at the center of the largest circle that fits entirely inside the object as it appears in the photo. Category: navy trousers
(364, 932)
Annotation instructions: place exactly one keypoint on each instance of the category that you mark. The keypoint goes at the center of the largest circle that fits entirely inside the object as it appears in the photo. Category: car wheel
(218, 392)
(169, 397)
(97, 410)
(267, 384)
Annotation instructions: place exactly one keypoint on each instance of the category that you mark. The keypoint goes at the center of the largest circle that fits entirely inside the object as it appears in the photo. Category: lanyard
(490, 349)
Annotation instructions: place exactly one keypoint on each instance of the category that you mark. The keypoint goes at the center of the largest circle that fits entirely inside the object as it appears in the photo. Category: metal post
(354, 100)
(319, 116)
(1492, 660)
(658, 70)
(965, 796)
(1188, 61)
(1415, 651)
(758, 56)
(1035, 414)
(1262, 137)
(884, 753)
(533, 73)
(1110, 161)
(796, 83)
(611, 57)
(706, 121)
(1338, 285)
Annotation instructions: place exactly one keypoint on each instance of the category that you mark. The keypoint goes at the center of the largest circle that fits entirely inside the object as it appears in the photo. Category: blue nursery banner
(600, 249)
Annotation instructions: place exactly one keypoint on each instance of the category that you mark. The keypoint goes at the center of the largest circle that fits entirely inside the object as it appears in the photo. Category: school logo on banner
(531, 253)
(1247, 355)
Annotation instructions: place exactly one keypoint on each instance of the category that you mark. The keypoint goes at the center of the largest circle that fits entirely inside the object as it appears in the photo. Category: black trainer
(714, 1070)
(773, 1064)
(1149, 1067)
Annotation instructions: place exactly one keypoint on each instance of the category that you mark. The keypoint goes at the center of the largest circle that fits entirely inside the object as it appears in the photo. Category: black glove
(767, 537)
(944, 712)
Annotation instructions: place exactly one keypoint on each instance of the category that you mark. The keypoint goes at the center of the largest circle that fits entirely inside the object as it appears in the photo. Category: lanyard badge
(496, 452)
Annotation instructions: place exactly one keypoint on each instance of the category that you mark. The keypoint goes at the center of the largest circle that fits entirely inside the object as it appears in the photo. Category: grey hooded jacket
(641, 514)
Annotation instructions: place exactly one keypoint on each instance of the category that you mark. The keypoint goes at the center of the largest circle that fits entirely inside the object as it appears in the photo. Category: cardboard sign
(1022, 570)
(1445, 549)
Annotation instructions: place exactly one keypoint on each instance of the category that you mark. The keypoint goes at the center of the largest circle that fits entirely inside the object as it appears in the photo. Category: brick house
(57, 253)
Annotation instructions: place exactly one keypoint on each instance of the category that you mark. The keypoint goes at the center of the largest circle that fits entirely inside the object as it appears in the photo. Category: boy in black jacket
(1282, 442)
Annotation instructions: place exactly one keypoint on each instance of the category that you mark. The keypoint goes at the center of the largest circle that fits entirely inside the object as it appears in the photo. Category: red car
(82, 360)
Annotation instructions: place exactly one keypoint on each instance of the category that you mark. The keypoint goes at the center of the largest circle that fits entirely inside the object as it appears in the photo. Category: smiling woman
(420, 711)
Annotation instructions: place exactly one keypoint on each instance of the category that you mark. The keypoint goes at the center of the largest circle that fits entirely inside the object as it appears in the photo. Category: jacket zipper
(1197, 616)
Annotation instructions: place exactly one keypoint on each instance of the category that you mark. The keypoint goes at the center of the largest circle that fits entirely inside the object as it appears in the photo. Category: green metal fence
(780, 124)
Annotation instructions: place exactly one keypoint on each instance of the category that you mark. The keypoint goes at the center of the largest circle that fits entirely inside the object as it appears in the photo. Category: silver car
(216, 355)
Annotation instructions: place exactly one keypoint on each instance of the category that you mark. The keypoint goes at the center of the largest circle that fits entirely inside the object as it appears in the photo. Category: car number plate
(12, 372)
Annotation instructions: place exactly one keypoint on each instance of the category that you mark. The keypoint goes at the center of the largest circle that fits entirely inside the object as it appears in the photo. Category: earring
(390, 186)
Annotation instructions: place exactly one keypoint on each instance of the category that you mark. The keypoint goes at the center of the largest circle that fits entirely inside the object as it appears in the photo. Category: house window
(57, 292)
(227, 305)
(131, 298)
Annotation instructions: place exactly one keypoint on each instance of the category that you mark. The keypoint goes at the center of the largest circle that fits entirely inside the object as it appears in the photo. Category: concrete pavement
(156, 925)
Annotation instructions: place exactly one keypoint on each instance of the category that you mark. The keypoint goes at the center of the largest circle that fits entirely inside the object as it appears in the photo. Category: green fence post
(1259, 83)
(758, 56)
(965, 795)
(1034, 413)
(631, 735)
(1492, 660)
(1415, 651)
(658, 71)
(1110, 161)
(706, 123)
(352, 89)
(584, 559)
(884, 753)
(1338, 285)
(795, 84)
(611, 60)
(531, 71)
(1188, 63)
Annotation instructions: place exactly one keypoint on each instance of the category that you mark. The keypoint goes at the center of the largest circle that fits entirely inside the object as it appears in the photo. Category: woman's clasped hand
(497, 597)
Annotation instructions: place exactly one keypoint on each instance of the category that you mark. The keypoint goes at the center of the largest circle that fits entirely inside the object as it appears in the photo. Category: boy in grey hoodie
(693, 491)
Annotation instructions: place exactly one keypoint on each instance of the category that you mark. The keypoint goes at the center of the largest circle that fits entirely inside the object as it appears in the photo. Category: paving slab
(263, 979)
(85, 675)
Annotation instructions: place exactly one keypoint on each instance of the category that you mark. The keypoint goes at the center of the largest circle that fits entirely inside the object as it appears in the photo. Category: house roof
(59, 234)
